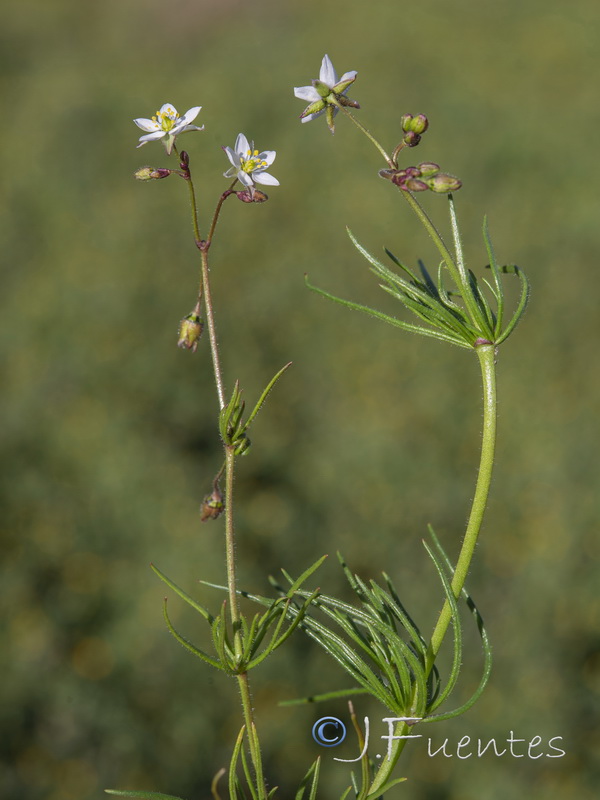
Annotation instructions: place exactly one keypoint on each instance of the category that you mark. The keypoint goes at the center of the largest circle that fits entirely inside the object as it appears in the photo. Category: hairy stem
(214, 346)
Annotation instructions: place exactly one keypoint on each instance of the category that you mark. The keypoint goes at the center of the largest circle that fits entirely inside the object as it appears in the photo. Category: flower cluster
(425, 176)
(248, 165)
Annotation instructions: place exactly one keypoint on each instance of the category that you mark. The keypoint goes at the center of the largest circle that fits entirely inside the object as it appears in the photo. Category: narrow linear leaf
(188, 645)
(184, 596)
(456, 626)
(141, 795)
(248, 775)
(264, 396)
(385, 788)
(306, 575)
(524, 299)
(407, 326)
(233, 763)
(402, 266)
(496, 273)
(326, 696)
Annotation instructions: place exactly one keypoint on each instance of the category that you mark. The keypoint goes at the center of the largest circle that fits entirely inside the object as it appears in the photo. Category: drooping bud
(151, 173)
(442, 183)
(184, 163)
(190, 330)
(252, 195)
(345, 101)
(212, 505)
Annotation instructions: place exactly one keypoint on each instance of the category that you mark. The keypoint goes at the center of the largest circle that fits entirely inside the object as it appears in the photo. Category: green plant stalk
(234, 611)
(366, 132)
(234, 608)
(487, 360)
(212, 332)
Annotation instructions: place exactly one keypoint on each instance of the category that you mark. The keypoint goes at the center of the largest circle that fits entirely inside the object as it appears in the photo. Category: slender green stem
(215, 218)
(188, 179)
(234, 606)
(212, 332)
(435, 235)
(235, 614)
(486, 355)
(367, 133)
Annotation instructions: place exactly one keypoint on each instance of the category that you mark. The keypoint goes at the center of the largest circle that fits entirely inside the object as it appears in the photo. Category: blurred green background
(108, 430)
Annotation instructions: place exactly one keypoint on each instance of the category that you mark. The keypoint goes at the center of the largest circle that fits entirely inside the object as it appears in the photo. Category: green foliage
(101, 474)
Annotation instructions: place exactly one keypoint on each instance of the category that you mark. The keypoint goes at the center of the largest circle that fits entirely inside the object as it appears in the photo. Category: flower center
(166, 120)
(252, 162)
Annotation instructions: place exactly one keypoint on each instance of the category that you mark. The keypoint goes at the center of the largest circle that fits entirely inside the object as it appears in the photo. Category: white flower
(167, 124)
(326, 93)
(248, 165)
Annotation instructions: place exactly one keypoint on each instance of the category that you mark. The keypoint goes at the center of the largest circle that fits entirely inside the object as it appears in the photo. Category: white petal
(264, 177)
(230, 172)
(244, 178)
(308, 93)
(233, 157)
(168, 109)
(268, 156)
(327, 74)
(151, 137)
(242, 145)
(146, 124)
(190, 115)
(348, 76)
(191, 128)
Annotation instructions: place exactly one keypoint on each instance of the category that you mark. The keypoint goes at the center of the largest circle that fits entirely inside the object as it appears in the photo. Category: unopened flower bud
(428, 168)
(411, 139)
(416, 124)
(151, 173)
(441, 183)
(345, 101)
(252, 195)
(212, 505)
(414, 185)
(190, 330)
